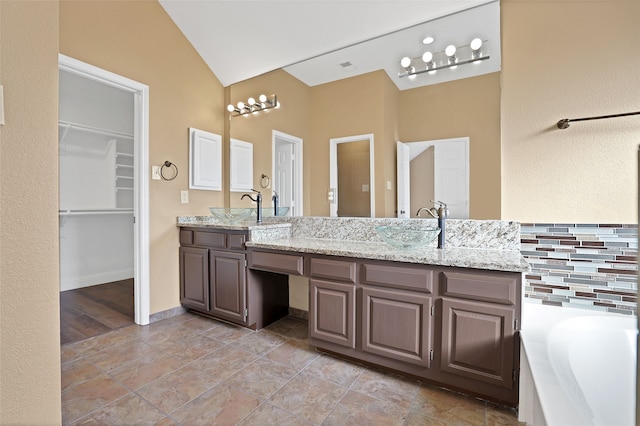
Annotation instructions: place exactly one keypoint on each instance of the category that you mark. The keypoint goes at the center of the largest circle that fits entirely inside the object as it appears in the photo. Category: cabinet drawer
(210, 239)
(407, 277)
(341, 270)
(292, 264)
(483, 286)
(186, 237)
(236, 241)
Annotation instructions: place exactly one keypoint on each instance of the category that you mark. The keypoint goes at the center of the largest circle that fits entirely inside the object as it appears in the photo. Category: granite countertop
(498, 260)
(489, 245)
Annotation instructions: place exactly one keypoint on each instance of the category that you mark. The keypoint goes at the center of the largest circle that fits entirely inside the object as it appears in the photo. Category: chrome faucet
(432, 211)
(274, 199)
(258, 201)
(441, 214)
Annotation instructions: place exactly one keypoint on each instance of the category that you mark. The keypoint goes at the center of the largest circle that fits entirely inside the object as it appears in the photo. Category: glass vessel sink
(407, 236)
(230, 215)
(268, 211)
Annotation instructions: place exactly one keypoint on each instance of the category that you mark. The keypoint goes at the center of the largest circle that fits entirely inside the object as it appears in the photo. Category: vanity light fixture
(252, 106)
(450, 58)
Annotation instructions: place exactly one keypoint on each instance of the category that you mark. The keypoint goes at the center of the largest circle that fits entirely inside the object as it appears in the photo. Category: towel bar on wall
(564, 123)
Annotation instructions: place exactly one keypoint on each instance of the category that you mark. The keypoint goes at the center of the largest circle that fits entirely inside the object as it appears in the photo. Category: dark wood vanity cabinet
(215, 281)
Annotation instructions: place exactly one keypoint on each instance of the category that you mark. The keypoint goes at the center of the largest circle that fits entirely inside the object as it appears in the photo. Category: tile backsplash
(589, 266)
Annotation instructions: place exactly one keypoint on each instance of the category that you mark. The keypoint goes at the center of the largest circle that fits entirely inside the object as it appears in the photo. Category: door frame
(141, 177)
(296, 169)
(333, 171)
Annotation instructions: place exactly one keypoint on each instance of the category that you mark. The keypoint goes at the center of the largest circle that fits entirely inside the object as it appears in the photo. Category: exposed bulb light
(253, 107)
(411, 71)
(405, 62)
(476, 44)
(427, 58)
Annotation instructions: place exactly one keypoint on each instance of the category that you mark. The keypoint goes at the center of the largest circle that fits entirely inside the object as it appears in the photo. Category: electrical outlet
(184, 197)
(155, 172)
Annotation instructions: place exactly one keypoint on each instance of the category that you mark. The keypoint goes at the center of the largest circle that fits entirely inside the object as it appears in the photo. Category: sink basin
(230, 215)
(407, 236)
(268, 211)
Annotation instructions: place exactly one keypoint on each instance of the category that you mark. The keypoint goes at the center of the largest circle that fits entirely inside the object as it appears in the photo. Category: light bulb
(263, 98)
(405, 62)
(450, 51)
(251, 101)
(231, 108)
(476, 44)
(240, 105)
(427, 57)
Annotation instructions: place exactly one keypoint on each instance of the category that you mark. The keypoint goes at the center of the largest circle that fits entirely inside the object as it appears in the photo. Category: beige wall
(422, 178)
(468, 107)
(574, 59)
(29, 276)
(139, 41)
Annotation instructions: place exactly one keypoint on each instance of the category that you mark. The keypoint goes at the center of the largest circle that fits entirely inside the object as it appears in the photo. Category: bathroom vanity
(448, 316)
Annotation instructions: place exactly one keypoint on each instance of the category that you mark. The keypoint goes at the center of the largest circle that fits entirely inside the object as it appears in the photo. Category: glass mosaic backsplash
(589, 266)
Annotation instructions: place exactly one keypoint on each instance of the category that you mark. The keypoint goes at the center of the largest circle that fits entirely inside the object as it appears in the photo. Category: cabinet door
(478, 341)
(228, 285)
(332, 312)
(397, 324)
(194, 278)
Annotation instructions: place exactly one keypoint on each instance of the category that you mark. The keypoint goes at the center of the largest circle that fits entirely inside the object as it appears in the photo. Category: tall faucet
(258, 201)
(441, 214)
(274, 199)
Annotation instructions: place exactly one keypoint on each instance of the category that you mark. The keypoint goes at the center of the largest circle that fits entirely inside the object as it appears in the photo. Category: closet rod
(564, 123)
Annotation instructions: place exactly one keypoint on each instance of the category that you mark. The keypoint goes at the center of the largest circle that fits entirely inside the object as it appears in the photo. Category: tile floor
(192, 370)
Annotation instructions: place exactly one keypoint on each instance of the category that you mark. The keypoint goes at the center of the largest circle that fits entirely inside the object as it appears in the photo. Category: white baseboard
(89, 280)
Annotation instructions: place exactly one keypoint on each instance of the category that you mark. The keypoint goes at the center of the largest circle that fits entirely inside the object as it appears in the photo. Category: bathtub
(578, 367)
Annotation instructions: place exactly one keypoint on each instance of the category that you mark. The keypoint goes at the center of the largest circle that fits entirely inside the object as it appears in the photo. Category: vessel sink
(407, 236)
(268, 211)
(230, 215)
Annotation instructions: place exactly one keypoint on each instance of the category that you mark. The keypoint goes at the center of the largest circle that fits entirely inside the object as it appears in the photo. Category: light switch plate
(184, 197)
(389, 185)
(155, 172)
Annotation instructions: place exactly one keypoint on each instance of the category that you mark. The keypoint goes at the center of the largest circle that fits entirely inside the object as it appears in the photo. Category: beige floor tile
(221, 405)
(359, 409)
(90, 395)
(308, 397)
(267, 414)
(259, 343)
(387, 387)
(78, 371)
(262, 378)
(295, 353)
(224, 363)
(188, 347)
(120, 356)
(95, 344)
(417, 418)
(201, 324)
(291, 328)
(495, 415)
(178, 388)
(166, 421)
(130, 410)
(227, 333)
(336, 370)
(449, 407)
(146, 369)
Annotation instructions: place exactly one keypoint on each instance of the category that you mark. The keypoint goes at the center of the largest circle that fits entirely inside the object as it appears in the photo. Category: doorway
(287, 171)
(433, 170)
(103, 181)
(351, 172)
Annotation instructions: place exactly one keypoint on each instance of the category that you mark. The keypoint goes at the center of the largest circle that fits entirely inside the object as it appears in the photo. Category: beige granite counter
(480, 244)
(498, 260)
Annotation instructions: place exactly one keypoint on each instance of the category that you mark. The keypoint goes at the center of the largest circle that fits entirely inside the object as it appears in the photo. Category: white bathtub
(578, 367)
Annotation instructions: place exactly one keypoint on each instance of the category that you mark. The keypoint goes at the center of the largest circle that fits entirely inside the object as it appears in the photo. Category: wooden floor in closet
(90, 311)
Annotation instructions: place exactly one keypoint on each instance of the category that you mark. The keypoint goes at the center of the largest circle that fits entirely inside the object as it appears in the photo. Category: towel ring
(262, 180)
(169, 164)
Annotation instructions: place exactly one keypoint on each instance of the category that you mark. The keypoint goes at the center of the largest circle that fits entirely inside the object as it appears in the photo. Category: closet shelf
(78, 212)
(75, 126)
